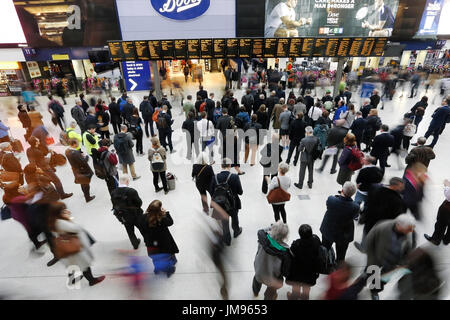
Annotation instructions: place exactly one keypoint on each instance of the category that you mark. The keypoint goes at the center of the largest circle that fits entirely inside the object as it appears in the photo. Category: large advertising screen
(430, 18)
(10, 25)
(319, 18)
(68, 23)
(444, 21)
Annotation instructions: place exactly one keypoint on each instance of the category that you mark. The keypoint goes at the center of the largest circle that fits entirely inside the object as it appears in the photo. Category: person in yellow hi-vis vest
(72, 134)
(90, 139)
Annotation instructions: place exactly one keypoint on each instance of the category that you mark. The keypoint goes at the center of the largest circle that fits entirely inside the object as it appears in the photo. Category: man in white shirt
(281, 21)
(206, 129)
(315, 113)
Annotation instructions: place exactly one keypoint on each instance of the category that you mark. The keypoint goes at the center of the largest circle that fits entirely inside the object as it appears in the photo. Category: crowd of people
(271, 122)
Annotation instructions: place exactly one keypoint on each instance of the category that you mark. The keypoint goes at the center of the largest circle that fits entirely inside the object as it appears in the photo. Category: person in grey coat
(123, 144)
(388, 244)
(78, 115)
(270, 260)
(309, 148)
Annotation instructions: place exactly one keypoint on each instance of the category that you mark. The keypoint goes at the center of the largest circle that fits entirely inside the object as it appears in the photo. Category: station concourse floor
(26, 276)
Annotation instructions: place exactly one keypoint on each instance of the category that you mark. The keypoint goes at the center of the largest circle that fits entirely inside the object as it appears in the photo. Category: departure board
(129, 51)
(232, 47)
(356, 47)
(270, 48)
(379, 47)
(344, 47)
(193, 49)
(142, 52)
(320, 47)
(283, 47)
(167, 50)
(258, 48)
(332, 47)
(116, 51)
(219, 48)
(307, 47)
(295, 47)
(245, 48)
(367, 47)
(154, 49)
(206, 48)
(181, 50)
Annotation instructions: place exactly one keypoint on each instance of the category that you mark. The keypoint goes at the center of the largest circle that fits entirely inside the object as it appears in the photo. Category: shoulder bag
(278, 195)
(66, 245)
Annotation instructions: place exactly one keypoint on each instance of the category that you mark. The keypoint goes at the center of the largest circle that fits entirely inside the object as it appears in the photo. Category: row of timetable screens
(246, 48)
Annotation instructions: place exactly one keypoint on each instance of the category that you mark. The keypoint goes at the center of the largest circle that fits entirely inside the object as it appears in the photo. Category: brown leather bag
(278, 195)
(66, 245)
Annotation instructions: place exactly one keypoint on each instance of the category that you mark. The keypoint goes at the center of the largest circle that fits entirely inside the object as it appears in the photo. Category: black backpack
(327, 260)
(121, 148)
(238, 122)
(223, 195)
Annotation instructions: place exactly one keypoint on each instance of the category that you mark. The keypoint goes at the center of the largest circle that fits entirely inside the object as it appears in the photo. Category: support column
(338, 78)
(156, 80)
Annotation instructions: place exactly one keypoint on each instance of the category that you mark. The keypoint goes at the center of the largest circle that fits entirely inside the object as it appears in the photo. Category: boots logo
(181, 9)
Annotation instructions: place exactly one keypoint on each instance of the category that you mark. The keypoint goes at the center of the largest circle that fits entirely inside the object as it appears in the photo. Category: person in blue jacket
(440, 118)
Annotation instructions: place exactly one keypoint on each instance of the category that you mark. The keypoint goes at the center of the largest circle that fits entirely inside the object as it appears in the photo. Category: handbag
(5, 212)
(57, 159)
(278, 195)
(66, 245)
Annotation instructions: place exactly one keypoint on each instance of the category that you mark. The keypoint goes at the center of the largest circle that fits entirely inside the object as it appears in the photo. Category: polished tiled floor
(26, 276)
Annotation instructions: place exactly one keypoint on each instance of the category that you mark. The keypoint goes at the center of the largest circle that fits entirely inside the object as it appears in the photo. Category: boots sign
(181, 9)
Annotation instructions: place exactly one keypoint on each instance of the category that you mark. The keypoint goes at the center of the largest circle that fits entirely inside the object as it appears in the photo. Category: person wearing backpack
(309, 147)
(351, 159)
(108, 160)
(203, 174)
(146, 110)
(217, 112)
(243, 117)
(136, 130)
(272, 261)
(127, 208)
(124, 148)
(338, 224)
(305, 263)
(79, 115)
(164, 125)
(225, 189)
(157, 157)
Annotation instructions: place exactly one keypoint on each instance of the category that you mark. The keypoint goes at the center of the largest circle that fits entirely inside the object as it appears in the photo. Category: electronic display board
(116, 50)
(258, 48)
(219, 48)
(356, 47)
(154, 49)
(167, 50)
(320, 47)
(232, 48)
(367, 47)
(129, 51)
(181, 50)
(344, 47)
(142, 51)
(380, 46)
(270, 48)
(245, 48)
(206, 48)
(307, 47)
(295, 47)
(332, 47)
(193, 49)
(283, 47)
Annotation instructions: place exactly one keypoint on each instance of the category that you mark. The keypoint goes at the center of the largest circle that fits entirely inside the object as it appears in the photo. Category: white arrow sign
(133, 83)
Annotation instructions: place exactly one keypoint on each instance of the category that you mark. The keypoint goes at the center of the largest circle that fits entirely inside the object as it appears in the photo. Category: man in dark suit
(296, 134)
(271, 102)
(375, 99)
(114, 111)
(440, 118)
(127, 111)
(365, 109)
(147, 110)
(127, 208)
(381, 145)
(223, 124)
(235, 186)
(210, 106)
(358, 127)
(202, 93)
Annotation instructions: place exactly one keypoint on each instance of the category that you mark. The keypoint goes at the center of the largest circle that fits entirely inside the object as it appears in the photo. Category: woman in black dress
(203, 174)
(305, 264)
(161, 247)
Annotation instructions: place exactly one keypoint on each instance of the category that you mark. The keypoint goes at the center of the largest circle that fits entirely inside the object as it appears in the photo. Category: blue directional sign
(137, 75)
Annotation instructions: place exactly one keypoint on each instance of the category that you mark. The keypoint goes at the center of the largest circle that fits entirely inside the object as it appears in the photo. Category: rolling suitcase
(170, 180)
